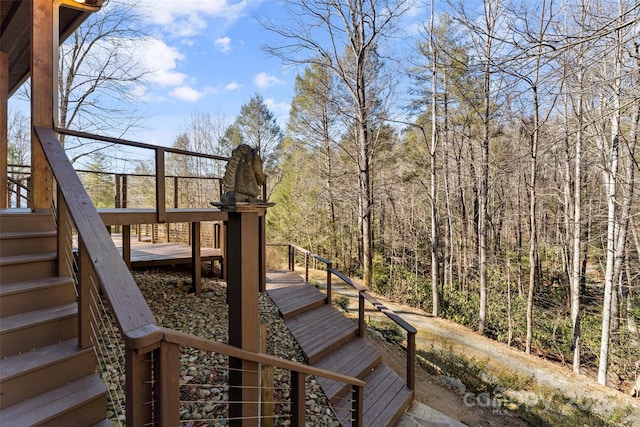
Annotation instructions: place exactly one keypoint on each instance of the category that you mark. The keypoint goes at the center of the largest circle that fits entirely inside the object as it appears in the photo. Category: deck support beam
(44, 77)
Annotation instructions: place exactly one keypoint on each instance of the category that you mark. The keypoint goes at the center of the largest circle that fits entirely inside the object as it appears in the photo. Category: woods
(507, 202)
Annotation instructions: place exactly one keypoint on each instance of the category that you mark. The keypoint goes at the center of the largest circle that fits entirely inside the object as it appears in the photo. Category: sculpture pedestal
(244, 253)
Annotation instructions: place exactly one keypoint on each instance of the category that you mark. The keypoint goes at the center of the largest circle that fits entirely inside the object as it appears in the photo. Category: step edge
(91, 383)
(39, 318)
(34, 285)
(20, 369)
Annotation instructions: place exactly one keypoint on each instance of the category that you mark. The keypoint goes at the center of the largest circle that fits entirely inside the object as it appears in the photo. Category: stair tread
(386, 396)
(18, 259)
(44, 315)
(320, 330)
(27, 285)
(355, 359)
(44, 406)
(26, 234)
(292, 294)
(19, 364)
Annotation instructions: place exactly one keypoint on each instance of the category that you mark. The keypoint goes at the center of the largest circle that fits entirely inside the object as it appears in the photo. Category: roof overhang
(15, 28)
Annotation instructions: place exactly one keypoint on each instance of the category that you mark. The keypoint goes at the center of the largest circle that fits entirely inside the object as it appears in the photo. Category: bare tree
(484, 35)
(344, 36)
(100, 72)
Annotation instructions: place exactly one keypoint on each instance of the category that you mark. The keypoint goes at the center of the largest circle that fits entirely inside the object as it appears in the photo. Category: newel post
(329, 267)
(243, 246)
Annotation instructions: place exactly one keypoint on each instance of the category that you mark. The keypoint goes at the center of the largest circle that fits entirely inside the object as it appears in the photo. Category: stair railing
(363, 295)
(151, 352)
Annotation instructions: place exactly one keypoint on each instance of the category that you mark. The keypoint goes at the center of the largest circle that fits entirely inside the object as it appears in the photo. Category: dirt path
(547, 378)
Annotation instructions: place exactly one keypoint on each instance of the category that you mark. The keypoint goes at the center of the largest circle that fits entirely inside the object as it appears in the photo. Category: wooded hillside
(508, 202)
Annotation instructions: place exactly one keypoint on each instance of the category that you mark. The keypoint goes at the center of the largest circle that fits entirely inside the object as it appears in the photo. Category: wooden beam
(196, 261)
(4, 144)
(44, 64)
(242, 294)
(161, 207)
(126, 245)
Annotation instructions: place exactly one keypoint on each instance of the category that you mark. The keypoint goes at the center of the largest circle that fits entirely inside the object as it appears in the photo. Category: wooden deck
(329, 340)
(147, 254)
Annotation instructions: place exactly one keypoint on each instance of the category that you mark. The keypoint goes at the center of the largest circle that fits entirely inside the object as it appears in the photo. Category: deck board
(292, 295)
(145, 254)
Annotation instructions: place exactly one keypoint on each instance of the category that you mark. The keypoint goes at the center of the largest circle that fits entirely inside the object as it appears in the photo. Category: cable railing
(364, 295)
(159, 160)
(116, 321)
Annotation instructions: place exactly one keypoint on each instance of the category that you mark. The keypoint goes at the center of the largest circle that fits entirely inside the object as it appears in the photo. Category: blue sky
(206, 57)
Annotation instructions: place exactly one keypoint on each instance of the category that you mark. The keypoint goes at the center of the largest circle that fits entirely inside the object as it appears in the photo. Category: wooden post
(225, 257)
(4, 123)
(266, 384)
(84, 297)
(361, 324)
(243, 270)
(64, 228)
(292, 259)
(262, 234)
(167, 387)
(123, 202)
(329, 267)
(411, 360)
(44, 64)
(298, 399)
(126, 245)
(175, 191)
(358, 406)
(118, 196)
(137, 388)
(196, 272)
(306, 266)
(161, 204)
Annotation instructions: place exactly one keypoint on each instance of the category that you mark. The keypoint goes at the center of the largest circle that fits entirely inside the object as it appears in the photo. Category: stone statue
(243, 176)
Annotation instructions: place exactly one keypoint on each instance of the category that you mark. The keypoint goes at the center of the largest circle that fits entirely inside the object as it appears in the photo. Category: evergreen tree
(256, 126)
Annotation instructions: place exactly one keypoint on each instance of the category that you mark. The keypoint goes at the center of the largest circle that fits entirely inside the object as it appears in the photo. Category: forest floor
(527, 385)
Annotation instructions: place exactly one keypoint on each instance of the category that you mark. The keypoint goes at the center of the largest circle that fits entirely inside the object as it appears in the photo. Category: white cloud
(161, 61)
(279, 108)
(187, 18)
(186, 93)
(223, 44)
(233, 86)
(264, 80)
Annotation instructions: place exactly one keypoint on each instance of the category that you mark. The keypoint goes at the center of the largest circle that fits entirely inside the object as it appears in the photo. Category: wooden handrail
(134, 317)
(182, 338)
(137, 144)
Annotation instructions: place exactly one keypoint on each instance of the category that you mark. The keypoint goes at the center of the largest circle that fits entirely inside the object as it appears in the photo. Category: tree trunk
(432, 188)
(610, 171)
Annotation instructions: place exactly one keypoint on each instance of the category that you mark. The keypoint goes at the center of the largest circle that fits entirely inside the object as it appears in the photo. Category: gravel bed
(204, 375)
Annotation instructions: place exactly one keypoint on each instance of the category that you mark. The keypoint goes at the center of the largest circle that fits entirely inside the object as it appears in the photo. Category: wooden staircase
(329, 340)
(45, 378)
